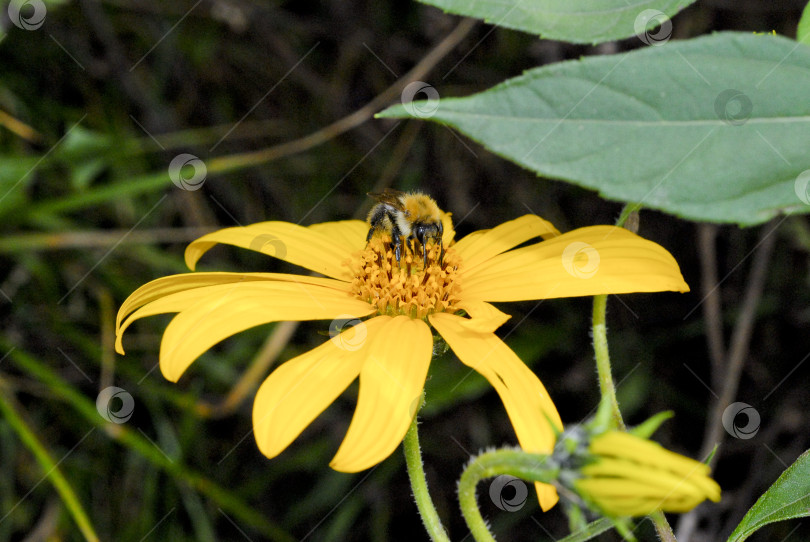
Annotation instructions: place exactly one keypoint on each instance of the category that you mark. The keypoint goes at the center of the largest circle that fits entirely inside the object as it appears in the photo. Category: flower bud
(621, 474)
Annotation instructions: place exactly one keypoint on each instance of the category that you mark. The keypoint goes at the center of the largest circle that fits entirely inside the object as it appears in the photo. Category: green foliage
(580, 21)
(48, 465)
(691, 127)
(803, 30)
(86, 154)
(113, 91)
(649, 426)
(787, 498)
(15, 175)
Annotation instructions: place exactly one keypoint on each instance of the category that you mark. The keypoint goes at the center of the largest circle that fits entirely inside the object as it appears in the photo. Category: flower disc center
(410, 289)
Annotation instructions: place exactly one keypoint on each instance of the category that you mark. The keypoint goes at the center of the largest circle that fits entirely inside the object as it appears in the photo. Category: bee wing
(389, 196)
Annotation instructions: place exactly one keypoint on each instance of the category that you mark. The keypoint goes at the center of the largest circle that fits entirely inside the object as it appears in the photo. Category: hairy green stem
(46, 463)
(516, 463)
(600, 349)
(609, 406)
(629, 217)
(662, 527)
(416, 474)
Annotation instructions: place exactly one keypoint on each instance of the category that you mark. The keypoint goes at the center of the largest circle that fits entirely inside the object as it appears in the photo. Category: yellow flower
(392, 349)
(632, 476)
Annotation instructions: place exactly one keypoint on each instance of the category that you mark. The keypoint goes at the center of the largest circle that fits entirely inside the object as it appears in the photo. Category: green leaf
(86, 154)
(711, 129)
(578, 21)
(787, 498)
(649, 426)
(803, 30)
(16, 173)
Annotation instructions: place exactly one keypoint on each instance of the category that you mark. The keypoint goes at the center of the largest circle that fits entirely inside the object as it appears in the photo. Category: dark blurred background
(96, 100)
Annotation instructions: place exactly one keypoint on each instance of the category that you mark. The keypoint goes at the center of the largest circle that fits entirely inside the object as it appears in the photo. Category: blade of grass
(50, 467)
(131, 439)
(63, 240)
(142, 184)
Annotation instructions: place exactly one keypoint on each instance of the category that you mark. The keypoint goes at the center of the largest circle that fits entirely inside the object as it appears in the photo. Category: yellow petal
(649, 455)
(633, 476)
(300, 389)
(471, 236)
(484, 318)
(227, 309)
(526, 400)
(175, 302)
(349, 233)
(587, 261)
(166, 286)
(657, 483)
(645, 452)
(475, 249)
(619, 497)
(296, 244)
(391, 383)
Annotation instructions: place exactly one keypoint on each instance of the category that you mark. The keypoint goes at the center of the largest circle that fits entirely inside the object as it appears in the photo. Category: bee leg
(396, 240)
(439, 235)
(397, 249)
(441, 252)
(424, 253)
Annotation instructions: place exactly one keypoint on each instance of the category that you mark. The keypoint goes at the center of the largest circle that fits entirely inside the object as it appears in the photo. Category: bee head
(424, 231)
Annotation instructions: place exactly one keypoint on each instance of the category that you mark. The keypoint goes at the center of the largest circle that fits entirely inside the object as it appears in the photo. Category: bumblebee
(412, 215)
